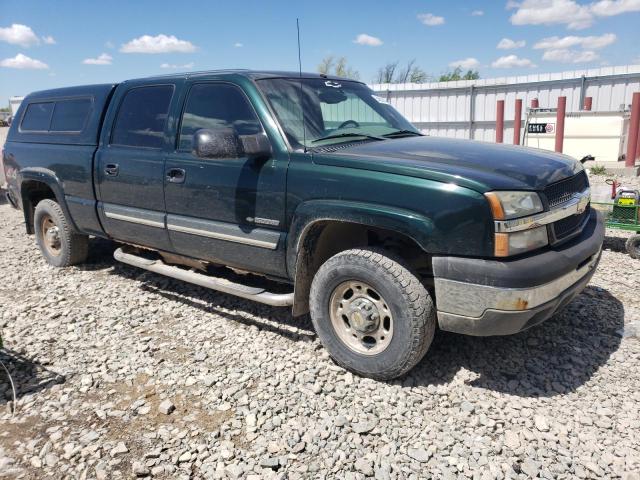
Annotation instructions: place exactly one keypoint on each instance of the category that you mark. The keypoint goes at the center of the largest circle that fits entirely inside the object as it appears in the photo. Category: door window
(214, 106)
(142, 117)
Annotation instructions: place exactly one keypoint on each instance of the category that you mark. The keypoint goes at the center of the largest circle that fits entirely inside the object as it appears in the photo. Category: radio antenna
(304, 134)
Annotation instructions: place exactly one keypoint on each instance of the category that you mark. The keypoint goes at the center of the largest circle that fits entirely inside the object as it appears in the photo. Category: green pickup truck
(309, 192)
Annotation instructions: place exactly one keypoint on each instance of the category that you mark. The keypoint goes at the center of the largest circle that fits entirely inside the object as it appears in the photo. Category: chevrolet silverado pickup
(319, 189)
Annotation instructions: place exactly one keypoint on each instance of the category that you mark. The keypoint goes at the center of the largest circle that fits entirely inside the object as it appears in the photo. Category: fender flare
(406, 222)
(49, 178)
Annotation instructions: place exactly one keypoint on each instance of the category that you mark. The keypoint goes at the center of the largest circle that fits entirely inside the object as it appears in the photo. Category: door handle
(111, 169)
(176, 175)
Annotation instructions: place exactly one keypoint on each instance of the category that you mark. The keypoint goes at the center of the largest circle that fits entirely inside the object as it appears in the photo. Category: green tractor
(622, 213)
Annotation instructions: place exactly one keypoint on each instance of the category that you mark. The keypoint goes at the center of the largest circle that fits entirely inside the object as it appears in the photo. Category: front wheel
(59, 245)
(371, 313)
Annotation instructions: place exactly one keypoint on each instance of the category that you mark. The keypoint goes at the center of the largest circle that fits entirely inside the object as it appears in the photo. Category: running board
(215, 283)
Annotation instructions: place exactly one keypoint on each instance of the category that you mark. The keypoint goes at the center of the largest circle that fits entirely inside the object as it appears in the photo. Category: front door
(130, 168)
(225, 210)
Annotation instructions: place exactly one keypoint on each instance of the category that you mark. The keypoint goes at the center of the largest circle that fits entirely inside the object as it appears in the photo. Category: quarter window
(214, 106)
(70, 115)
(37, 117)
(142, 117)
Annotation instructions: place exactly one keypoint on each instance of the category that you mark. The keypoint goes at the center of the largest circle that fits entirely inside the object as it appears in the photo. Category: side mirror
(224, 143)
(218, 143)
(256, 145)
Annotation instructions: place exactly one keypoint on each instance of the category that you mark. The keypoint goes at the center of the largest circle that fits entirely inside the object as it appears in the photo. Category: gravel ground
(122, 373)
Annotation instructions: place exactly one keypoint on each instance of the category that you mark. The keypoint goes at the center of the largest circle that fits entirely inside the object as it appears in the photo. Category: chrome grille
(562, 191)
(570, 225)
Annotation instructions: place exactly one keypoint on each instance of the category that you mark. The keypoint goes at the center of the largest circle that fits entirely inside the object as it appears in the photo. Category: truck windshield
(334, 112)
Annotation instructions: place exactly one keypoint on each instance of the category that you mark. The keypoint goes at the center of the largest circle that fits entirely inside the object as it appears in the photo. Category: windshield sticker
(380, 100)
(330, 83)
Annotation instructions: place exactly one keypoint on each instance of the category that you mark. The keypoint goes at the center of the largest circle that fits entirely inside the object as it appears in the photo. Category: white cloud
(159, 44)
(18, 34)
(568, 12)
(49, 40)
(477, 13)
(589, 43)
(430, 19)
(466, 63)
(172, 66)
(508, 44)
(103, 59)
(608, 8)
(552, 12)
(238, 45)
(570, 56)
(109, 44)
(23, 62)
(364, 39)
(512, 61)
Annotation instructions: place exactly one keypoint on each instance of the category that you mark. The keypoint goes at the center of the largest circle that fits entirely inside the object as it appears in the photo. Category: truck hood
(477, 165)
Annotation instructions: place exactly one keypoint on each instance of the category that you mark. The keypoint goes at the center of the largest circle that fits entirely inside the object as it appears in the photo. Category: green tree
(339, 67)
(456, 74)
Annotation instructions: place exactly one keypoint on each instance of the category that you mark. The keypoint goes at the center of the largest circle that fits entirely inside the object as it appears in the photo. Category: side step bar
(220, 284)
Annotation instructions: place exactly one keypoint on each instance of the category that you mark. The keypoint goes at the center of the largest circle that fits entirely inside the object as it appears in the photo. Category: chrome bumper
(472, 300)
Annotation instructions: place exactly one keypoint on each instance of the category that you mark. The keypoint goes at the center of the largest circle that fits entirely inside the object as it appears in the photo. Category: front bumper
(489, 297)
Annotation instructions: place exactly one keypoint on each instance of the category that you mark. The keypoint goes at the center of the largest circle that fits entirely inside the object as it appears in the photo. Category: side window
(213, 106)
(37, 117)
(142, 117)
(70, 115)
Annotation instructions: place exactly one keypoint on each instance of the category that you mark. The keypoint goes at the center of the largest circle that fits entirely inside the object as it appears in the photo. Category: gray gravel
(124, 374)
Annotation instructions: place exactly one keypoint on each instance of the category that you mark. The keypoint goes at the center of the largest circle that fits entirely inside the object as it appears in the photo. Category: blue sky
(59, 43)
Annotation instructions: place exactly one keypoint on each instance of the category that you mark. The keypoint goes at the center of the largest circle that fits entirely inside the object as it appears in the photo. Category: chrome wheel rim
(361, 317)
(51, 236)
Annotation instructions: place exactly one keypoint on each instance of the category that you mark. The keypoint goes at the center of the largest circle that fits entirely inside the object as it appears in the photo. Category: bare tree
(411, 73)
(387, 73)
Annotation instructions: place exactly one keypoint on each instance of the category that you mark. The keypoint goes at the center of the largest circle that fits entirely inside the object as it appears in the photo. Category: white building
(14, 103)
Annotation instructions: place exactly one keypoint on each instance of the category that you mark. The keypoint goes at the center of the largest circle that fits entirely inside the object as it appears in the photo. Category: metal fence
(467, 108)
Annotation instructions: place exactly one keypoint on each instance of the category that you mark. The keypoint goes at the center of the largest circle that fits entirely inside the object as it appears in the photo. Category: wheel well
(33, 192)
(324, 239)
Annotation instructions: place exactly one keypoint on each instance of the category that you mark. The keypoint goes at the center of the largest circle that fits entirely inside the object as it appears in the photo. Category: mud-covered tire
(71, 248)
(632, 246)
(411, 307)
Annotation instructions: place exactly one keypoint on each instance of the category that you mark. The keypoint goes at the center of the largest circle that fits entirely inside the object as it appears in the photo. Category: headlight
(508, 205)
(507, 244)
(512, 205)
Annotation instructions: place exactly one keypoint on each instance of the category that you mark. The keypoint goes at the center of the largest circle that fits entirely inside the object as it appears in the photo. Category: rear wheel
(59, 245)
(371, 313)
(633, 246)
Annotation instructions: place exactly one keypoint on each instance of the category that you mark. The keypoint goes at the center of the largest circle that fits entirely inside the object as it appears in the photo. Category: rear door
(226, 210)
(130, 165)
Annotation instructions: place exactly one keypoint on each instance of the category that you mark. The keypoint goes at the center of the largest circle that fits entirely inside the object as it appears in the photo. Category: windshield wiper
(399, 133)
(343, 135)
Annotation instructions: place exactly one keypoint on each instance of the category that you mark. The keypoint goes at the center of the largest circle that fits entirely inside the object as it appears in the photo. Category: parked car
(315, 183)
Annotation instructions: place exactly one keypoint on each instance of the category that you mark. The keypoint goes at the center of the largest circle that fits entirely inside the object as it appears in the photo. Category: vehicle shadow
(100, 255)
(272, 319)
(553, 358)
(615, 244)
(28, 376)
